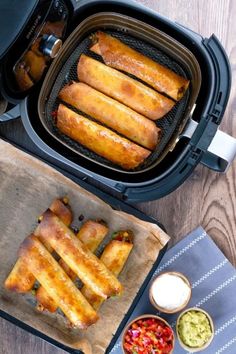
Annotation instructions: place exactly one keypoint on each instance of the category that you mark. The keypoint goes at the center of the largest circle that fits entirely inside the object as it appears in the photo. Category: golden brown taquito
(100, 140)
(21, 279)
(121, 87)
(36, 64)
(23, 79)
(57, 283)
(62, 209)
(91, 234)
(120, 56)
(112, 113)
(90, 270)
(114, 257)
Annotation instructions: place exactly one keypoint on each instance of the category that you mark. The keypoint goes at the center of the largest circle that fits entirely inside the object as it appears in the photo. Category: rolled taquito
(21, 279)
(91, 234)
(121, 87)
(100, 139)
(114, 257)
(120, 56)
(112, 113)
(62, 209)
(23, 79)
(57, 283)
(35, 63)
(90, 270)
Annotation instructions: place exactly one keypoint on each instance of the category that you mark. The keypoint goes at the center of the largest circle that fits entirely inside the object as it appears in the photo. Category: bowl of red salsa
(148, 334)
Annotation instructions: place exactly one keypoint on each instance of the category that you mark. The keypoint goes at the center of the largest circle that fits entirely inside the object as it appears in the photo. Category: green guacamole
(194, 329)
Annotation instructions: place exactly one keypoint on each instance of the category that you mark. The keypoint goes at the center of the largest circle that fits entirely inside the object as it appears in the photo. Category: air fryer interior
(145, 39)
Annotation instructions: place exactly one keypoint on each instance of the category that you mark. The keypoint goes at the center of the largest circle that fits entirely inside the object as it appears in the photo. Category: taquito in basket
(90, 270)
(100, 140)
(112, 113)
(21, 279)
(57, 283)
(121, 87)
(91, 234)
(120, 56)
(114, 257)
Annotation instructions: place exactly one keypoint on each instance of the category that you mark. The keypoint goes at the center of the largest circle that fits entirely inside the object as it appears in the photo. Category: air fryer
(191, 133)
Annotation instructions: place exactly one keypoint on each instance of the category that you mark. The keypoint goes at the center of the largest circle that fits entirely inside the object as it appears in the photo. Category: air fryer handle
(220, 153)
(11, 114)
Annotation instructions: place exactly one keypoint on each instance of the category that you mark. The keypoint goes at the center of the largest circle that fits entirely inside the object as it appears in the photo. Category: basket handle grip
(220, 153)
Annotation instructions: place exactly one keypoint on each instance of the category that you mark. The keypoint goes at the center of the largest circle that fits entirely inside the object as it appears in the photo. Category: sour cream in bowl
(170, 292)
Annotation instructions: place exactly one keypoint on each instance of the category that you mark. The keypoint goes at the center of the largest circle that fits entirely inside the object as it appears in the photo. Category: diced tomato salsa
(148, 336)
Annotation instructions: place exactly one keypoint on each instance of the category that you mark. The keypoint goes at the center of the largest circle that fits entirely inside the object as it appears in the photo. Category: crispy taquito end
(90, 270)
(23, 78)
(112, 113)
(100, 140)
(117, 251)
(91, 234)
(62, 209)
(36, 64)
(121, 87)
(114, 257)
(45, 301)
(21, 279)
(120, 56)
(95, 300)
(124, 236)
(57, 283)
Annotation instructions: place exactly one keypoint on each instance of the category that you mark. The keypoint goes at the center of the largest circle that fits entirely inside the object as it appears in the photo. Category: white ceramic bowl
(177, 309)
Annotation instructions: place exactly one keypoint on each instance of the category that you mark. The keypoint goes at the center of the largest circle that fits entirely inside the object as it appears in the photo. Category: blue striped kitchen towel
(213, 281)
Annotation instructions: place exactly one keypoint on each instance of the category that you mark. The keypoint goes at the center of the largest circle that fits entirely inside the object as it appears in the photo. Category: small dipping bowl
(176, 309)
(206, 344)
(148, 316)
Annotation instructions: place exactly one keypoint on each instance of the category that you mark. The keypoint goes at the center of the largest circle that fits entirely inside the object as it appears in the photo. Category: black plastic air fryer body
(201, 141)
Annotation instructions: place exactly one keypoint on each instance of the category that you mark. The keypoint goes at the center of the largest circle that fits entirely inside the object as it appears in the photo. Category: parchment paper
(27, 187)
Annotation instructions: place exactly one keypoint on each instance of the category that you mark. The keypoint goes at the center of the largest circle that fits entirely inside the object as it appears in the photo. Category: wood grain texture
(206, 198)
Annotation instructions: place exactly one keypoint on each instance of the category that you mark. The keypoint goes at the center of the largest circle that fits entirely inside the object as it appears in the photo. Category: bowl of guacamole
(195, 329)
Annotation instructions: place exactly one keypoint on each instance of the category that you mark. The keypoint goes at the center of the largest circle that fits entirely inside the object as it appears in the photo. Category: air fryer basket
(145, 39)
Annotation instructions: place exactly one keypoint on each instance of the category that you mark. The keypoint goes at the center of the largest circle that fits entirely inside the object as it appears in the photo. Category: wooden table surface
(206, 198)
